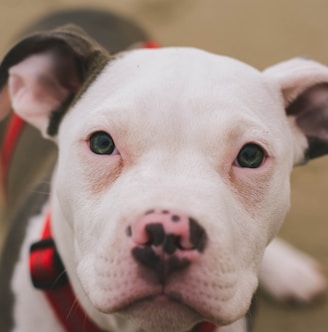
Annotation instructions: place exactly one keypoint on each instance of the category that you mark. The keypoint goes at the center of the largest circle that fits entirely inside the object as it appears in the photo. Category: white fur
(289, 274)
(179, 118)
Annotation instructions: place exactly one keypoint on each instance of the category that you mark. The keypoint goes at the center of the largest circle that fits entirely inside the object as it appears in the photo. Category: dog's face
(194, 144)
(180, 121)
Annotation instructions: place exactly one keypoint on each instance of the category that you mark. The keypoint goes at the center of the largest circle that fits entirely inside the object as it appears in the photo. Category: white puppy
(172, 177)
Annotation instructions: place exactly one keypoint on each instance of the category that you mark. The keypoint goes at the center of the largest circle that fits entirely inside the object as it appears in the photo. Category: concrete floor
(260, 33)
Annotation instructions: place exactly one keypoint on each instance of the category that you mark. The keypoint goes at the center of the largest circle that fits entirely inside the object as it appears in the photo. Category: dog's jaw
(166, 315)
(130, 290)
(184, 300)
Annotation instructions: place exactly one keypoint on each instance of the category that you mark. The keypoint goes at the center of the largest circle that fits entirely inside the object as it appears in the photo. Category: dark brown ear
(45, 73)
(304, 87)
(310, 110)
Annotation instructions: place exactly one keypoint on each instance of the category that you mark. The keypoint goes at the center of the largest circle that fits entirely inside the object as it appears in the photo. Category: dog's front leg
(289, 274)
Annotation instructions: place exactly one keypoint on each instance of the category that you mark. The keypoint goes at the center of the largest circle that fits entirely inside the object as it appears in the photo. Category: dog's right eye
(250, 156)
(101, 143)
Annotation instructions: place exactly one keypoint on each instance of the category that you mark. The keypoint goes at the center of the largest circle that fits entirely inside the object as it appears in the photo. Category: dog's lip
(160, 302)
(158, 298)
(163, 298)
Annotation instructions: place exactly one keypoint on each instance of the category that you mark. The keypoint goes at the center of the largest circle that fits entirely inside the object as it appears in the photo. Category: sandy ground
(260, 33)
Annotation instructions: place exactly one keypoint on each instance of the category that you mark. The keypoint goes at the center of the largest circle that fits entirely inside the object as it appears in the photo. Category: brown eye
(101, 143)
(250, 156)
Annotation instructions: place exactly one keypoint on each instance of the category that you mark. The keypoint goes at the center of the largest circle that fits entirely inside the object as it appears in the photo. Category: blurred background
(260, 33)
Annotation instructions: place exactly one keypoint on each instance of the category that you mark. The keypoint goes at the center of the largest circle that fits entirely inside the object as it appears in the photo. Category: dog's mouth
(118, 286)
(160, 299)
(185, 299)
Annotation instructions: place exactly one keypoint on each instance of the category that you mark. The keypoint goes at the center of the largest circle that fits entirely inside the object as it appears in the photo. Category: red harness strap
(11, 136)
(150, 44)
(207, 327)
(48, 274)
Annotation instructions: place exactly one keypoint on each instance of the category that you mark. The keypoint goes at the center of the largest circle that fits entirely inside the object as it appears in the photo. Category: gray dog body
(172, 177)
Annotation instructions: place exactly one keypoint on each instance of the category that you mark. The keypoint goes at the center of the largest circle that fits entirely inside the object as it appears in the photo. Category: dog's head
(173, 169)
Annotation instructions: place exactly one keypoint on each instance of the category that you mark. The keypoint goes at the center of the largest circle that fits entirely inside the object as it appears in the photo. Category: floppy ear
(44, 74)
(304, 87)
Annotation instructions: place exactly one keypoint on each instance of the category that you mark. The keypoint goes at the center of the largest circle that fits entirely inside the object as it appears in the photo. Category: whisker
(58, 278)
(74, 304)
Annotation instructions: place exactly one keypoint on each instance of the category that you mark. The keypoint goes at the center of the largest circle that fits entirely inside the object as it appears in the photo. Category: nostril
(156, 234)
(197, 235)
(171, 244)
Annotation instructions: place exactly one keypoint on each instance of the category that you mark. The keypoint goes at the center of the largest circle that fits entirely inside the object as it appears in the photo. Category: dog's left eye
(250, 156)
(101, 143)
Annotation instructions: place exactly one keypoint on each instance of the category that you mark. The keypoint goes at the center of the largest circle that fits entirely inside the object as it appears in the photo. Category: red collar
(48, 274)
(11, 136)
